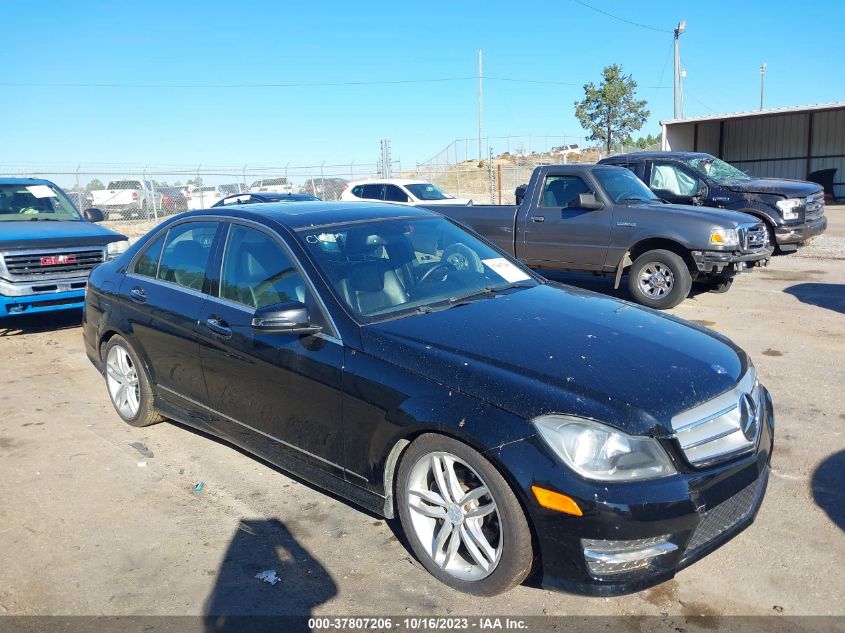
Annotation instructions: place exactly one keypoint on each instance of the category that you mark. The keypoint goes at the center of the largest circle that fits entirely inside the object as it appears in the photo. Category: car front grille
(752, 237)
(814, 207)
(731, 512)
(50, 264)
(724, 427)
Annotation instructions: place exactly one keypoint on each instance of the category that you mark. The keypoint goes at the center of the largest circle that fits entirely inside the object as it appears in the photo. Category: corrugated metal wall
(775, 145)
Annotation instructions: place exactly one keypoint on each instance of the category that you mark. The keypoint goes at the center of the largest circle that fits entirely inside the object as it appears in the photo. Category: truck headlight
(596, 451)
(789, 207)
(724, 237)
(116, 248)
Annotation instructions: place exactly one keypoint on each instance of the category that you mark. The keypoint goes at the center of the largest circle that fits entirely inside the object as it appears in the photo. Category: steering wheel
(269, 284)
(462, 257)
(446, 267)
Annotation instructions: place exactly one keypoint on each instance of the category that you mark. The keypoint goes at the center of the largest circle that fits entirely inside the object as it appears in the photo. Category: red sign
(57, 260)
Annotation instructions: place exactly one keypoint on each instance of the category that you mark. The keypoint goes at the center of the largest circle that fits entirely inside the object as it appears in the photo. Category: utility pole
(682, 26)
(480, 107)
(683, 76)
(762, 83)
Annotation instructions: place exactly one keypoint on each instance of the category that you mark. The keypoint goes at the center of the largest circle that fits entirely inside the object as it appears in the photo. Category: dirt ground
(100, 518)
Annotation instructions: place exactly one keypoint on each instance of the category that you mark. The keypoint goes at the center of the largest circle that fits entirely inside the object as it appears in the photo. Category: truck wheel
(128, 385)
(659, 279)
(720, 285)
(461, 517)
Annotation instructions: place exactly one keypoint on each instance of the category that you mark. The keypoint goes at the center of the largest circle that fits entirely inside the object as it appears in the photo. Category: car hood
(554, 348)
(787, 188)
(711, 214)
(37, 234)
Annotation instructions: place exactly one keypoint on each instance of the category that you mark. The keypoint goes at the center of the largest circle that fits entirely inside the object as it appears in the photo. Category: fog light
(614, 558)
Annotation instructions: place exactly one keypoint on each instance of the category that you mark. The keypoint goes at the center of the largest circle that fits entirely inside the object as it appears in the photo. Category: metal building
(782, 142)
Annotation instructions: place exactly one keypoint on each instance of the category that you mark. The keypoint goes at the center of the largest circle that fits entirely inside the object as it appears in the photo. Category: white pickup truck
(128, 198)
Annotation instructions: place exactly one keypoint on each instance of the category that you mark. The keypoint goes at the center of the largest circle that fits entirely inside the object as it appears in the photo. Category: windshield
(19, 203)
(389, 268)
(427, 191)
(621, 185)
(124, 184)
(718, 171)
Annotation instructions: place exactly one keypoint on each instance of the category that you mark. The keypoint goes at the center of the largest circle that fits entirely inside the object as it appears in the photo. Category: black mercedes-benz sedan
(515, 426)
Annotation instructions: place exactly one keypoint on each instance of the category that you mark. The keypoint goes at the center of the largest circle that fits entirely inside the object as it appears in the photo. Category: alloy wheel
(122, 381)
(454, 516)
(656, 279)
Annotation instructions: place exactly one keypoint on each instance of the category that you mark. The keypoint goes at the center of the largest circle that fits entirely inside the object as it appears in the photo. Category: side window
(673, 179)
(562, 191)
(186, 253)
(147, 263)
(637, 168)
(358, 191)
(372, 192)
(392, 193)
(258, 273)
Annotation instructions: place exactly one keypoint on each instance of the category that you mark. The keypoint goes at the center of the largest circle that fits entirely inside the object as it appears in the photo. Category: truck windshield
(718, 171)
(621, 185)
(385, 269)
(124, 184)
(21, 203)
(427, 191)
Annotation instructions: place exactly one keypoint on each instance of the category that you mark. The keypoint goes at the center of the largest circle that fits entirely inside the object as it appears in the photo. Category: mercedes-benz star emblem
(748, 417)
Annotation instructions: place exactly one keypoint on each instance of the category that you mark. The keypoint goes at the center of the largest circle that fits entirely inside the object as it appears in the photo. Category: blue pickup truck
(47, 247)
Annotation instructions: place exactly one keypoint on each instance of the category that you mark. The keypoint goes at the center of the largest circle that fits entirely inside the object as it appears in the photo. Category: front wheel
(659, 279)
(461, 518)
(720, 285)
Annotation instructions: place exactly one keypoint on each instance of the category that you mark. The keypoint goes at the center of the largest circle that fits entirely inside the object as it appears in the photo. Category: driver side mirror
(588, 201)
(289, 317)
(93, 214)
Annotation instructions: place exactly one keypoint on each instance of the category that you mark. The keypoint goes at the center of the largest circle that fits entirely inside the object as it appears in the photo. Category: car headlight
(596, 451)
(789, 207)
(724, 237)
(116, 248)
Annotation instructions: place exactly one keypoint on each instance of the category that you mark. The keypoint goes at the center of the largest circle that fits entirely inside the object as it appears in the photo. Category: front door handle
(138, 295)
(538, 218)
(219, 327)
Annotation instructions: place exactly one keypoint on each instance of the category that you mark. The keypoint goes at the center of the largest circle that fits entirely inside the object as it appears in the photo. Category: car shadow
(830, 296)
(827, 488)
(40, 322)
(242, 602)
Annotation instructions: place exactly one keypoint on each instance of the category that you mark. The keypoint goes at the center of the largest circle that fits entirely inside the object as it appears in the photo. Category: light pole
(681, 82)
(682, 26)
(480, 105)
(762, 83)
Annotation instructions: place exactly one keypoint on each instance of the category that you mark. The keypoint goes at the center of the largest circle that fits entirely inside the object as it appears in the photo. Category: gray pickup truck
(603, 219)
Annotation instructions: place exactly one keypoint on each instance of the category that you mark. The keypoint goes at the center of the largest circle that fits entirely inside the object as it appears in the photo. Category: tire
(659, 279)
(443, 534)
(133, 403)
(720, 285)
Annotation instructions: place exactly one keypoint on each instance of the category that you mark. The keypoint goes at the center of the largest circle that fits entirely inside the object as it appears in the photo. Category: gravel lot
(99, 518)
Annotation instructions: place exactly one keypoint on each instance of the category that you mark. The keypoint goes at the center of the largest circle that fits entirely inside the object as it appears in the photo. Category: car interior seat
(371, 283)
(267, 278)
(186, 266)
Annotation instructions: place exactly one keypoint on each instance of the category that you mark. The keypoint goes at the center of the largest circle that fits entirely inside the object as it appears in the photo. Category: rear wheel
(461, 518)
(659, 279)
(720, 285)
(128, 384)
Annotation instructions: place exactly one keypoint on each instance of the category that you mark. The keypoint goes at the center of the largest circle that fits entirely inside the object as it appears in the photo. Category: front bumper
(794, 234)
(720, 262)
(42, 302)
(687, 516)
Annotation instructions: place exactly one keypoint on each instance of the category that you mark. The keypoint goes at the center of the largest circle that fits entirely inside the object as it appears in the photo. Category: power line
(616, 17)
(700, 102)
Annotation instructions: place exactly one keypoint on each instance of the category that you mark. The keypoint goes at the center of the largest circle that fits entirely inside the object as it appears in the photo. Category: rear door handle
(138, 295)
(219, 327)
(538, 218)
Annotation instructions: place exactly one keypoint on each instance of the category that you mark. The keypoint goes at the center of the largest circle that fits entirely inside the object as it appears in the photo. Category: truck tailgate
(495, 222)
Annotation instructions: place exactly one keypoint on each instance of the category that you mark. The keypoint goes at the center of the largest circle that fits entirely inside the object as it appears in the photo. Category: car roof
(645, 155)
(308, 213)
(26, 181)
(390, 181)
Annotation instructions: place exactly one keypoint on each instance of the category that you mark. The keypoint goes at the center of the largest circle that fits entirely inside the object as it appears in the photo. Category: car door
(279, 393)
(372, 192)
(559, 231)
(674, 183)
(162, 295)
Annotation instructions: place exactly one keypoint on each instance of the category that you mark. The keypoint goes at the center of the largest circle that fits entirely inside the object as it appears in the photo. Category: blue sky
(215, 42)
